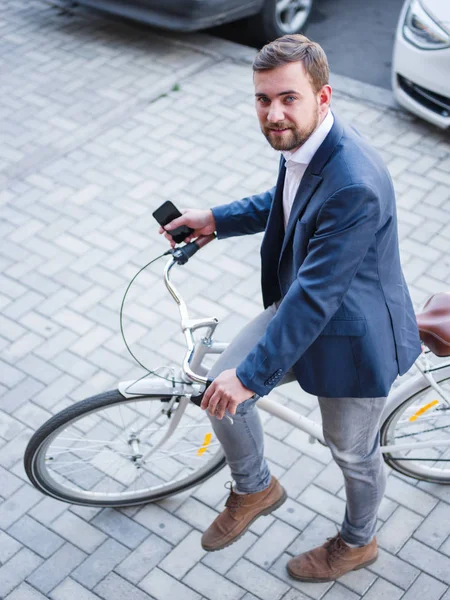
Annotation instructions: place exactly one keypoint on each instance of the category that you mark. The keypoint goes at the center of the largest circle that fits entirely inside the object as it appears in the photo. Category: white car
(421, 61)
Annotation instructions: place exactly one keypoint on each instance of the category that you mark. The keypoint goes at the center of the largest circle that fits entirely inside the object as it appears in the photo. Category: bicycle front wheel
(423, 419)
(109, 450)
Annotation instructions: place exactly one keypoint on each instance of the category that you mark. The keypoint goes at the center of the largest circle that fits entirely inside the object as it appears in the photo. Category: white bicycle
(148, 439)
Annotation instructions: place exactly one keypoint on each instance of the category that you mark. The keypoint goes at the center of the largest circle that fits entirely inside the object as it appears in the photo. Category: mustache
(278, 127)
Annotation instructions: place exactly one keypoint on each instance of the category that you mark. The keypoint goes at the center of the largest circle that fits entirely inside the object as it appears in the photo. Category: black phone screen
(166, 213)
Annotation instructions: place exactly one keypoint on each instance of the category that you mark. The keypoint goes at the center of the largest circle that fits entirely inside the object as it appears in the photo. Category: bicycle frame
(191, 378)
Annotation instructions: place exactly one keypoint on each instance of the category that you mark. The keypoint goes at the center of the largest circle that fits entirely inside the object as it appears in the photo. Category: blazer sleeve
(345, 229)
(245, 216)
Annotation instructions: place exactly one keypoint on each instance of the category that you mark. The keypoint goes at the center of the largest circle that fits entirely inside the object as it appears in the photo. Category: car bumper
(179, 15)
(420, 81)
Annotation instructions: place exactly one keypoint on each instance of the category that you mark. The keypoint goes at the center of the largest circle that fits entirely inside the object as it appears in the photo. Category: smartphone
(166, 213)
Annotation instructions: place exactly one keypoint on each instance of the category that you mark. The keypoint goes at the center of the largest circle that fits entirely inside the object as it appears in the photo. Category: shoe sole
(263, 513)
(326, 579)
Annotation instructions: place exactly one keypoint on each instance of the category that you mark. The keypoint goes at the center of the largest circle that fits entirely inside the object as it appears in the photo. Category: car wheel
(280, 17)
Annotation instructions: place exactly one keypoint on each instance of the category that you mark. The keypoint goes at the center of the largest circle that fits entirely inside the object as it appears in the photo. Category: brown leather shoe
(240, 512)
(332, 560)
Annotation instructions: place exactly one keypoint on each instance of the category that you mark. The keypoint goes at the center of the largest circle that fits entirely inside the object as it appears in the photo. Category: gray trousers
(350, 427)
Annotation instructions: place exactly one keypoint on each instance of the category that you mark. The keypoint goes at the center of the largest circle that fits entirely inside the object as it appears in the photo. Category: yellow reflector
(206, 443)
(423, 410)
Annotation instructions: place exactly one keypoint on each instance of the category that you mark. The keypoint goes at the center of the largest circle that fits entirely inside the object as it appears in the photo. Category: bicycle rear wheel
(423, 417)
(101, 451)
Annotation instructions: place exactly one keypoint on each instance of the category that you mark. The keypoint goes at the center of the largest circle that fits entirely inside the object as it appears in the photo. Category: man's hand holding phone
(185, 226)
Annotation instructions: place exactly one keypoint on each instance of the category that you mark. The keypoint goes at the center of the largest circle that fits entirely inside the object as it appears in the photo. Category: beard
(293, 137)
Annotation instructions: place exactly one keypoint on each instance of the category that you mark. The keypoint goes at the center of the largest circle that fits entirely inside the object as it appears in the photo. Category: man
(338, 316)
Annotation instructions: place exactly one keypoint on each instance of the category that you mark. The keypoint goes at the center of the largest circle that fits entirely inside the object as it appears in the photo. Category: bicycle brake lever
(197, 400)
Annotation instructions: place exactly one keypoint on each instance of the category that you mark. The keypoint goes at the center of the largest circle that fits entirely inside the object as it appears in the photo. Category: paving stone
(301, 441)
(13, 451)
(300, 475)
(258, 581)
(330, 478)
(295, 514)
(78, 532)
(25, 391)
(8, 547)
(383, 590)
(184, 556)
(272, 544)
(315, 534)
(339, 592)
(196, 513)
(162, 586)
(25, 592)
(100, 563)
(120, 527)
(213, 491)
(425, 587)
(162, 523)
(277, 452)
(427, 560)
(212, 585)
(145, 558)
(10, 375)
(39, 369)
(10, 483)
(114, 587)
(398, 529)
(17, 505)
(69, 589)
(31, 415)
(436, 527)
(410, 496)
(35, 536)
(17, 568)
(323, 502)
(394, 569)
(56, 568)
(48, 509)
(358, 581)
(291, 595)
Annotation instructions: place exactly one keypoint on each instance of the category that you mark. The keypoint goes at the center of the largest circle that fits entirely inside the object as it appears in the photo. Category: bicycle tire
(407, 465)
(35, 459)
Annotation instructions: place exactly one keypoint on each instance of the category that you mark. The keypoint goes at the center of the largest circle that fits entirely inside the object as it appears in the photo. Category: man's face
(288, 109)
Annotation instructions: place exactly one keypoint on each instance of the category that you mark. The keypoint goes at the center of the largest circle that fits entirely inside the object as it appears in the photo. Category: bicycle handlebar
(183, 254)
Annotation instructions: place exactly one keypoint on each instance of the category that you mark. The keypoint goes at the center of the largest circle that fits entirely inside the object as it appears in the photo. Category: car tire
(278, 18)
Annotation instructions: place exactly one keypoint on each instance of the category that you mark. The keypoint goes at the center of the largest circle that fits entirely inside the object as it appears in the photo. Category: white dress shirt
(298, 161)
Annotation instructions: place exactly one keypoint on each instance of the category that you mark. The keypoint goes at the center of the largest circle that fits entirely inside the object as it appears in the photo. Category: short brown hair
(295, 48)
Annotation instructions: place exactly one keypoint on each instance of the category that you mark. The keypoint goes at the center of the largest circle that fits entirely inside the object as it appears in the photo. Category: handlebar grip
(183, 254)
(197, 400)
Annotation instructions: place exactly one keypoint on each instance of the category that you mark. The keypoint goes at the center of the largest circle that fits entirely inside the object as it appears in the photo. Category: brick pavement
(100, 122)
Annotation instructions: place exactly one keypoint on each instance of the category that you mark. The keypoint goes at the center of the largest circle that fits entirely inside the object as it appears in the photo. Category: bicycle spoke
(113, 453)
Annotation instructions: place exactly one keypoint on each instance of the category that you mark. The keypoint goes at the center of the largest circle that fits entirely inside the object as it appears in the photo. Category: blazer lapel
(305, 190)
(274, 234)
(312, 178)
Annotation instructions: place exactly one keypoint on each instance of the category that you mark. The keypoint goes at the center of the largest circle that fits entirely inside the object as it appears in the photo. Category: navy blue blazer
(345, 323)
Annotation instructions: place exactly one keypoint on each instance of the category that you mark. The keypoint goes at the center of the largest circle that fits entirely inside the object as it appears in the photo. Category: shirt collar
(305, 153)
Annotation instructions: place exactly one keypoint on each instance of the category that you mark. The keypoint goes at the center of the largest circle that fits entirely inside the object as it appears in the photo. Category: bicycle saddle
(434, 324)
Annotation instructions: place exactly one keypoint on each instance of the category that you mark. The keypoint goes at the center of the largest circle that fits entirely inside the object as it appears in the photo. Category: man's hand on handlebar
(225, 393)
(201, 221)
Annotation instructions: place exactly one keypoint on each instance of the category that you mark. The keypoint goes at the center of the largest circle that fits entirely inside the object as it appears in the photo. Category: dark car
(268, 19)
